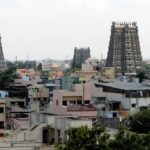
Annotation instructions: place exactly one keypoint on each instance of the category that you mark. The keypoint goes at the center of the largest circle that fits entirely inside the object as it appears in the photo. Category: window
(65, 103)
(133, 105)
(1, 109)
(114, 115)
(57, 102)
(1, 125)
(79, 102)
(87, 102)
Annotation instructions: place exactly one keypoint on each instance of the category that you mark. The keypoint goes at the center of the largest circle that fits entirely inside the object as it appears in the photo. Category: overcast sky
(50, 29)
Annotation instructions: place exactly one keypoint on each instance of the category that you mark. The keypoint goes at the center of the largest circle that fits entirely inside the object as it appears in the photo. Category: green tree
(140, 122)
(125, 140)
(39, 67)
(142, 76)
(85, 138)
(96, 138)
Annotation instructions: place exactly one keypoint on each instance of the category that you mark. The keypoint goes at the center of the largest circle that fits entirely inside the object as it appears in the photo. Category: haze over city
(42, 29)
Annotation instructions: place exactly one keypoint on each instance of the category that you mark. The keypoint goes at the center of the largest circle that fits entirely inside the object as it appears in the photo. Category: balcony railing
(81, 108)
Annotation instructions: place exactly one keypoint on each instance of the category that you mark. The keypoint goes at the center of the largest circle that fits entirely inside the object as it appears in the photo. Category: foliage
(96, 138)
(39, 67)
(85, 138)
(142, 76)
(141, 122)
(146, 67)
(8, 75)
(126, 140)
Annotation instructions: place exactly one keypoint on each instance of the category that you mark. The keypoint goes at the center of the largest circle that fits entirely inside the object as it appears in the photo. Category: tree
(85, 138)
(140, 122)
(125, 140)
(39, 67)
(96, 138)
(142, 76)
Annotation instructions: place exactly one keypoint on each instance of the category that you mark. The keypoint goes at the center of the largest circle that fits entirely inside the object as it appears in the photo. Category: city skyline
(50, 29)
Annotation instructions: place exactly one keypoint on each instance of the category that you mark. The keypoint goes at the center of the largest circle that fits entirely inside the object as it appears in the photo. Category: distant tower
(80, 55)
(2, 61)
(124, 49)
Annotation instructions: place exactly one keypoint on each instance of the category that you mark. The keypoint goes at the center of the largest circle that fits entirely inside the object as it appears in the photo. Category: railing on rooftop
(81, 108)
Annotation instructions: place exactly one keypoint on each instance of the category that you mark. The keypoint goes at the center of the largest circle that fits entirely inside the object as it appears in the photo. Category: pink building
(76, 102)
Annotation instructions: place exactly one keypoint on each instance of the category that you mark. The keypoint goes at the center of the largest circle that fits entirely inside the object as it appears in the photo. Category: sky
(50, 29)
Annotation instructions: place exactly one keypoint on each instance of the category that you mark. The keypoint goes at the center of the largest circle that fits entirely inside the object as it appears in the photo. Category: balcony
(81, 108)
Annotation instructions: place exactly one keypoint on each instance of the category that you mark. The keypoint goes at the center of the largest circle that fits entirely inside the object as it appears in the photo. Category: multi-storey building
(77, 102)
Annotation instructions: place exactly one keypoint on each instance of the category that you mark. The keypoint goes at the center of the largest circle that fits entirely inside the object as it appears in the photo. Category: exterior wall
(144, 102)
(38, 91)
(87, 67)
(84, 114)
(126, 104)
(85, 90)
(34, 105)
(114, 96)
(108, 72)
(27, 81)
(21, 72)
(85, 75)
(17, 148)
(2, 114)
(55, 74)
(109, 114)
(57, 107)
(3, 94)
(66, 123)
(27, 72)
(67, 82)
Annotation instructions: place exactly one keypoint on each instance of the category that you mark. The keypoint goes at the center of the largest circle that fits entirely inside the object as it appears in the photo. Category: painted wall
(3, 94)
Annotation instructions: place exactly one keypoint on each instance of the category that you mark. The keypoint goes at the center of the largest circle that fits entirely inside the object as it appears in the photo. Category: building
(3, 65)
(29, 65)
(119, 99)
(2, 114)
(27, 77)
(17, 113)
(76, 102)
(3, 94)
(66, 82)
(50, 128)
(38, 97)
(91, 64)
(80, 55)
(18, 90)
(124, 49)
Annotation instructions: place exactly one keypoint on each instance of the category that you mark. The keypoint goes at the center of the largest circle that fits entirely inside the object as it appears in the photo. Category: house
(2, 114)
(17, 113)
(39, 97)
(76, 102)
(121, 99)
(27, 77)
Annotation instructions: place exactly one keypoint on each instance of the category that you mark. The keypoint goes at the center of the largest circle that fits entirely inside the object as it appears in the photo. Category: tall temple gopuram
(80, 55)
(3, 65)
(124, 49)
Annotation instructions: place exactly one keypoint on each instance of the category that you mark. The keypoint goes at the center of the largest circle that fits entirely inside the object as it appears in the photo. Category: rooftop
(124, 86)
